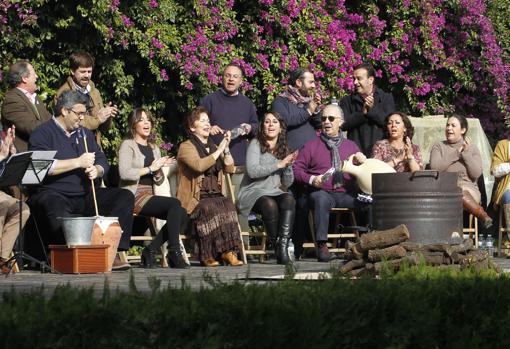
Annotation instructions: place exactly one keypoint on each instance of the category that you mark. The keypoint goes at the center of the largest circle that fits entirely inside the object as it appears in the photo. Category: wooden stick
(91, 180)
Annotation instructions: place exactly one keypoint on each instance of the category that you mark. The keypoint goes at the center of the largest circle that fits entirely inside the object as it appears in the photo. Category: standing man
(22, 107)
(319, 166)
(366, 109)
(229, 109)
(298, 105)
(98, 117)
(66, 191)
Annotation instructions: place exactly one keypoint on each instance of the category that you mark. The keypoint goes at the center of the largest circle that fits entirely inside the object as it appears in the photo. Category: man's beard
(305, 92)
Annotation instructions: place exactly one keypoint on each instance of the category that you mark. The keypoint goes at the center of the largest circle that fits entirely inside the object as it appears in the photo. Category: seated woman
(9, 209)
(268, 167)
(458, 154)
(140, 164)
(213, 217)
(396, 149)
(500, 168)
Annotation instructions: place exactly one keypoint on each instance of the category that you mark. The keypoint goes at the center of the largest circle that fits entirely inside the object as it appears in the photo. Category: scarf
(202, 152)
(293, 95)
(333, 143)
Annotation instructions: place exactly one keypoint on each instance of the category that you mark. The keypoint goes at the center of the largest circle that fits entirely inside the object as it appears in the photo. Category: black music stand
(12, 175)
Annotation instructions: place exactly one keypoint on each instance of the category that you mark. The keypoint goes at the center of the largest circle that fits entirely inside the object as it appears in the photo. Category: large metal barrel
(428, 202)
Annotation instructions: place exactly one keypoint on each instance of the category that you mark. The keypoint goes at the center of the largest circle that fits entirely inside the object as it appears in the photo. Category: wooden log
(463, 248)
(412, 246)
(357, 272)
(437, 247)
(472, 258)
(394, 263)
(353, 250)
(384, 238)
(354, 264)
(392, 252)
(430, 258)
(369, 267)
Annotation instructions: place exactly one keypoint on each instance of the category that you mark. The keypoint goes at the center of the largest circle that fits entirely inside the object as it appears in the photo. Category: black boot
(271, 228)
(176, 259)
(148, 258)
(284, 234)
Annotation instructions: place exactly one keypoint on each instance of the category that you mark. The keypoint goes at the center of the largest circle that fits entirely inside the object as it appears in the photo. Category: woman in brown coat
(213, 216)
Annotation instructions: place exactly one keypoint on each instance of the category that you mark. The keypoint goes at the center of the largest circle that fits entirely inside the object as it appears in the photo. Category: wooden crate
(79, 259)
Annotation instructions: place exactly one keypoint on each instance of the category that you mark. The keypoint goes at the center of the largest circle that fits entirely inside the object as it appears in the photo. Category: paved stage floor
(195, 277)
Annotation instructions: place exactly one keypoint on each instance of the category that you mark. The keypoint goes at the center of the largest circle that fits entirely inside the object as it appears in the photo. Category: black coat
(367, 129)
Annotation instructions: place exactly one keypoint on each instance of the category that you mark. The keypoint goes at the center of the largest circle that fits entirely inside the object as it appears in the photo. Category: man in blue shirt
(67, 190)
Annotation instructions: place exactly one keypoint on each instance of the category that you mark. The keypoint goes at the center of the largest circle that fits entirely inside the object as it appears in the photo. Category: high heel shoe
(176, 260)
(148, 258)
(230, 258)
(211, 262)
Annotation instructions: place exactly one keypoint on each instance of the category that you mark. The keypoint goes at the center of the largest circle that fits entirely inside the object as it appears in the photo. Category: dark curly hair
(281, 148)
(409, 129)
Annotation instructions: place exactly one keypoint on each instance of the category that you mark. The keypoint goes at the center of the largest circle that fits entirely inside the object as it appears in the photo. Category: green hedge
(414, 309)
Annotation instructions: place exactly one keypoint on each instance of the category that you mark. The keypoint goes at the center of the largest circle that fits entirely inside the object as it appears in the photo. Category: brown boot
(475, 209)
(4, 267)
(230, 258)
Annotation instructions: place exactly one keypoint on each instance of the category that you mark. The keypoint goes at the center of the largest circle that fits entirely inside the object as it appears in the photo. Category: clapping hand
(170, 160)
(216, 130)
(288, 160)
(465, 145)
(408, 147)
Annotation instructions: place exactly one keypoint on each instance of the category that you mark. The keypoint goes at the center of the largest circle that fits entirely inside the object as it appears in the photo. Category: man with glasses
(366, 109)
(67, 190)
(319, 165)
(229, 109)
(299, 106)
(99, 117)
(22, 106)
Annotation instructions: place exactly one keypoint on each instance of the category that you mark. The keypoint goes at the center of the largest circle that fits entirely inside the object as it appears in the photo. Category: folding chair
(334, 237)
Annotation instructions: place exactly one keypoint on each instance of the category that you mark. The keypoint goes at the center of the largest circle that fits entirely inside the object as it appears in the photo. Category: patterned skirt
(143, 194)
(215, 227)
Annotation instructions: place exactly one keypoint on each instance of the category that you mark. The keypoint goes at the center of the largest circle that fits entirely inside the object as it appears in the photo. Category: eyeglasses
(232, 76)
(329, 117)
(80, 114)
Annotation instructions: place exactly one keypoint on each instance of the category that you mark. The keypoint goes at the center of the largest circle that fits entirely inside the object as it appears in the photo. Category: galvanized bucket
(77, 230)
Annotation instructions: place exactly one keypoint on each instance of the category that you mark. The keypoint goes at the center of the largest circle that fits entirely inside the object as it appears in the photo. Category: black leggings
(269, 207)
(169, 209)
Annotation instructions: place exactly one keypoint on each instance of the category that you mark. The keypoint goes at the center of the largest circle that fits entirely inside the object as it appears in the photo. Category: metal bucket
(428, 202)
(77, 230)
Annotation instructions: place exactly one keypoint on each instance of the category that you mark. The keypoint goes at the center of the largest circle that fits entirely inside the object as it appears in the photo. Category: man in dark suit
(366, 110)
(22, 107)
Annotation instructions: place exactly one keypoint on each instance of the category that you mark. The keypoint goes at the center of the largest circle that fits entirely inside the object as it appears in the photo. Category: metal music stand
(13, 174)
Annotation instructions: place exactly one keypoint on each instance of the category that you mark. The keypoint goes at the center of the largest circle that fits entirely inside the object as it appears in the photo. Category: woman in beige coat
(140, 164)
(213, 216)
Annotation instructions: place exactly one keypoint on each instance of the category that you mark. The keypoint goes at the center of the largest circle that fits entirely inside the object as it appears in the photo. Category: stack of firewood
(391, 248)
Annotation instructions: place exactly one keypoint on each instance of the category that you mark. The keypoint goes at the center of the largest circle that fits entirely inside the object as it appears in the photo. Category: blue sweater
(49, 136)
(228, 112)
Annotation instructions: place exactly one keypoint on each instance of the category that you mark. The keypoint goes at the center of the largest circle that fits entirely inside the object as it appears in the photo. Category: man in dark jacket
(298, 105)
(366, 109)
